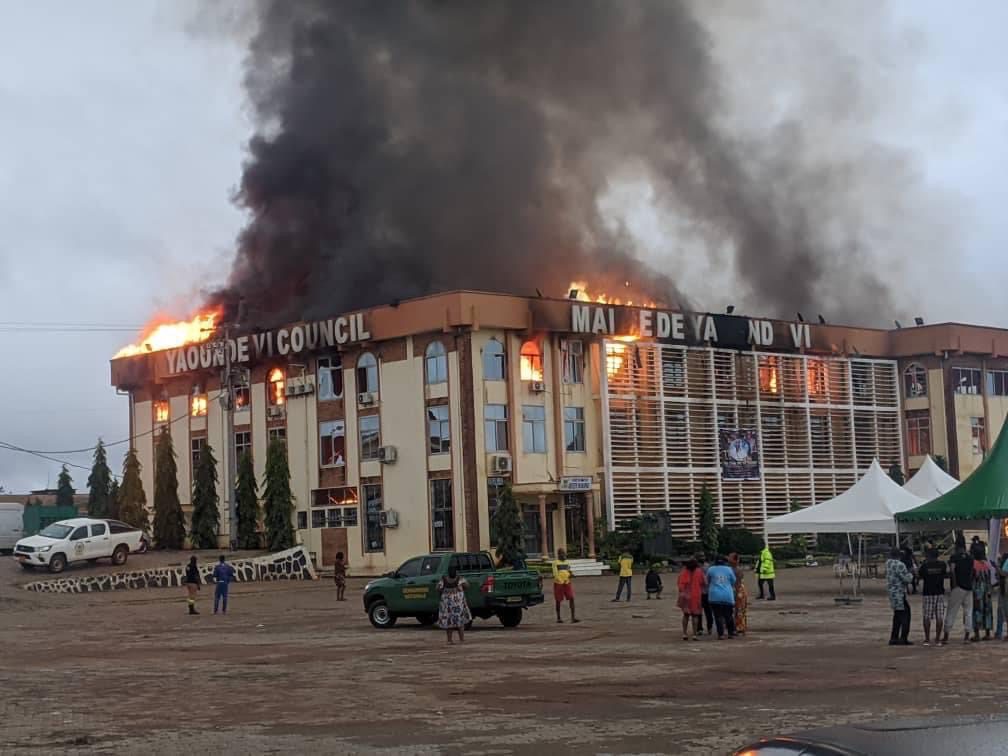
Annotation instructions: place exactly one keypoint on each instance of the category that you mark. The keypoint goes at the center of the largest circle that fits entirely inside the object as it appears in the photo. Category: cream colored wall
(997, 410)
(582, 395)
(455, 458)
(936, 399)
(179, 409)
(143, 424)
(967, 406)
(302, 454)
(405, 481)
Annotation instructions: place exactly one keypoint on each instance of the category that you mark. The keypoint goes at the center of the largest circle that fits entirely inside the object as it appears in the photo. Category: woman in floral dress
(983, 605)
(453, 614)
(741, 596)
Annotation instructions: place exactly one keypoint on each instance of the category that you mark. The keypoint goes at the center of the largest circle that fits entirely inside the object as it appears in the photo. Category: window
(198, 405)
(431, 565)
(332, 443)
(349, 517)
(334, 497)
(966, 380)
(436, 363)
(495, 427)
(275, 395)
(242, 398)
(997, 382)
(367, 374)
(79, 534)
(531, 362)
(574, 429)
(411, 568)
(493, 361)
(374, 535)
(370, 437)
(195, 448)
(277, 434)
(442, 522)
(302, 520)
(673, 368)
(816, 378)
(334, 518)
(243, 444)
(120, 527)
(330, 378)
(918, 433)
(978, 432)
(439, 429)
(914, 381)
(98, 530)
(573, 361)
(769, 376)
(534, 429)
(162, 411)
(318, 518)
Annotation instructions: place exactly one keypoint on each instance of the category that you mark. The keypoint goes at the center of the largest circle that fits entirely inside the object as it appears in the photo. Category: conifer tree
(708, 523)
(278, 502)
(169, 522)
(247, 504)
(507, 524)
(113, 500)
(896, 473)
(132, 501)
(99, 482)
(64, 489)
(206, 514)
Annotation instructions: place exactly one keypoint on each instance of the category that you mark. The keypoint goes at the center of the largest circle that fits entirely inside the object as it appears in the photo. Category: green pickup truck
(411, 591)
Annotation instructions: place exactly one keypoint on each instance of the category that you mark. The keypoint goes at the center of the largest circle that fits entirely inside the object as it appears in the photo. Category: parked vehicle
(411, 590)
(11, 524)
(77, 540)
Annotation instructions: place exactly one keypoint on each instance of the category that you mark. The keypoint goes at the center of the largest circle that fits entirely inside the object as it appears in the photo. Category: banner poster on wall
(739, 451)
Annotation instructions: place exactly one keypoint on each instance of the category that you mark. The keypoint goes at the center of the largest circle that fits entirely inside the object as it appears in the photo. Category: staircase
(587, 567)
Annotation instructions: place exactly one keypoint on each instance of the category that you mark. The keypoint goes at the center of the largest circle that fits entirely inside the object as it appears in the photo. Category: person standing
(1001, 610)
(741, 596)
(704, 597)
(765, 572)
(453, 611)
(898, 577)
(983, 607)
(961, 595)
(907, 557)
(563, 587)
(625, 575)
(339, 575)
(933, 573)
(691, 585)
(192, 584)
(223, 576)
(721, 592)
(653, 583)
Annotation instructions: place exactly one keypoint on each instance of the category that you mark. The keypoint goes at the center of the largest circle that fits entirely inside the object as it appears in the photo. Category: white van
(11, 524)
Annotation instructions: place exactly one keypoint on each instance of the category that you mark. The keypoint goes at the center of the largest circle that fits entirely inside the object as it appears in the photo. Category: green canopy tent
(982, 497)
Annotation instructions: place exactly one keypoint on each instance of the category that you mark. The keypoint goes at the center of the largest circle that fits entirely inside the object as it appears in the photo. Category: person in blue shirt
(223, 574)
(721, 594)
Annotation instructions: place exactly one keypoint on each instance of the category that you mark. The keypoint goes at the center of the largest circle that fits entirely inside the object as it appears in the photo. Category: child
(339, 575)
(652, 582)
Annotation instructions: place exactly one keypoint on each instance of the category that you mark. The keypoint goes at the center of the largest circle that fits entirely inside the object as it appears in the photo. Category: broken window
(367, 374)
(330, 378)
(531, 362)
(275, 389)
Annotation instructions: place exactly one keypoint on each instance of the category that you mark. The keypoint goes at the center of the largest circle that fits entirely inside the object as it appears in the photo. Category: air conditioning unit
(538, 387)
(365, 398)
(298, 389)
(387, 454)
(388, 518)
(501, 463)
(277, 411)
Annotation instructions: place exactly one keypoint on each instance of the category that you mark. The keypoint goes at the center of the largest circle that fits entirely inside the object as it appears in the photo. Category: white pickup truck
(78, 540)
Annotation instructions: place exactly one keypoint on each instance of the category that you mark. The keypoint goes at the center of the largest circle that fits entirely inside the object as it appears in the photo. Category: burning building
(403, 422)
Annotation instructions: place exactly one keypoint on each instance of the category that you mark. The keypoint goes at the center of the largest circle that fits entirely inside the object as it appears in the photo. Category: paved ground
(291, 671)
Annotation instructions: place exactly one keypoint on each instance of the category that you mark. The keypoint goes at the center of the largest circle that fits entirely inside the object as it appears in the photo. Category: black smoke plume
(409, 148)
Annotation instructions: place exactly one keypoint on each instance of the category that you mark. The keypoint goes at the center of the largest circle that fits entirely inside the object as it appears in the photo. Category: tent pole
(860, 552)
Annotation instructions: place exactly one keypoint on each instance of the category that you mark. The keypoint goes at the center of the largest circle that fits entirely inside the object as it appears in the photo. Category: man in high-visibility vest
(765, 572)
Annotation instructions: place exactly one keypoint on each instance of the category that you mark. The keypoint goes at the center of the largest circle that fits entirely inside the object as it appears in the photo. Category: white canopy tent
(869, 506)
(930, 481)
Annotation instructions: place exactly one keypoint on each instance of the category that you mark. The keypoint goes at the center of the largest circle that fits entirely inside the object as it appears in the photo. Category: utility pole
(227, 401)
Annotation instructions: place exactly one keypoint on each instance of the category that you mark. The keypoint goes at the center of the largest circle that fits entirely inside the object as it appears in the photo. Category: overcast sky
(121, 139)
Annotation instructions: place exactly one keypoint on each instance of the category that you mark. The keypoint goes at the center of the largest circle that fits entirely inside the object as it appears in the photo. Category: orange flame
(161, 334)
(583, 295)
(276, 381)
(616, 354)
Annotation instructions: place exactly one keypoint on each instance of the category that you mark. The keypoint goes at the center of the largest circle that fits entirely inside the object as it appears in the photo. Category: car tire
(510, 617)
(380, 615)
(57, 564)
(427, 619)
(120, 554)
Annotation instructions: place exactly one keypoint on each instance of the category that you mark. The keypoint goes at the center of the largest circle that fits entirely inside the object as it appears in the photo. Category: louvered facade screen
(821, 421)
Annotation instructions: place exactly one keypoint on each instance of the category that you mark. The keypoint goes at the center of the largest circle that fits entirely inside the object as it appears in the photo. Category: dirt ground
(289, 670)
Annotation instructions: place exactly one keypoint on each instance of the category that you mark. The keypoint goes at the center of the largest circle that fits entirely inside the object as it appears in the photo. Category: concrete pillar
(543, 533)
(590, 521)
